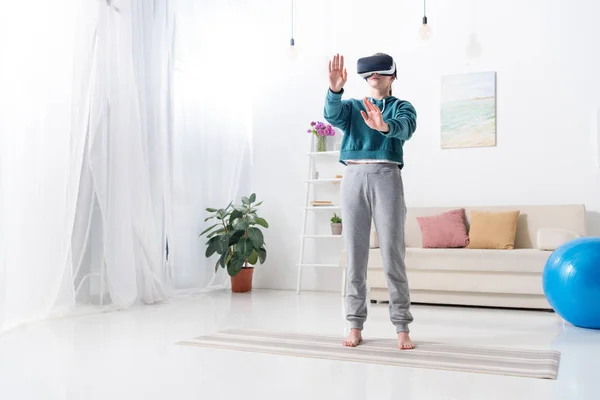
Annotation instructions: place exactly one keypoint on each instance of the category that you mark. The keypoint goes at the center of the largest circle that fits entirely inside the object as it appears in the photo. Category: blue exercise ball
(571, 282)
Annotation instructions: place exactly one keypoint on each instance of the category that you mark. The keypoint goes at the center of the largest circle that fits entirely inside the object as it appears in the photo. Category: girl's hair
(383, 54)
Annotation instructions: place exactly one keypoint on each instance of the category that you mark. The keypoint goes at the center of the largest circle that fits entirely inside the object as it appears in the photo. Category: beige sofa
(495, 278)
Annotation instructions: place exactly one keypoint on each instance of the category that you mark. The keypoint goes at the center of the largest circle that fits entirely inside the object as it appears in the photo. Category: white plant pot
(336, 229)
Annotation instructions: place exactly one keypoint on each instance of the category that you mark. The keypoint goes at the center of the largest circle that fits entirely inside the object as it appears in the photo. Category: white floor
(132, 354)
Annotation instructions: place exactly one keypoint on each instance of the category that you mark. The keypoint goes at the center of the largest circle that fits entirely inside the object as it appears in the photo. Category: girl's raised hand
(337, 73)
(373, 117)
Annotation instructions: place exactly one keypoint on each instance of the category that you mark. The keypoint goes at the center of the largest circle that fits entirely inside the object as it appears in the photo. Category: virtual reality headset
(381, 64)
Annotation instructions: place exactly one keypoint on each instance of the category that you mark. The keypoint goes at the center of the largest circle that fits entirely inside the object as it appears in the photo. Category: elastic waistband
(371, 168)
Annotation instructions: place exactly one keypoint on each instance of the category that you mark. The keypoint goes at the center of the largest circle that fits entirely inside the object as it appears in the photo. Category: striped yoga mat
(539, 364)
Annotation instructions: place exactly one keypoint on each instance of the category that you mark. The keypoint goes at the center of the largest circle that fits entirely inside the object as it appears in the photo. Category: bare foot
(404, 342)
(354, 338)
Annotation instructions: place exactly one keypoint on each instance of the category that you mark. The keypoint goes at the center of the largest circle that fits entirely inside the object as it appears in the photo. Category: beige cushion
(552, 238)
(493, 230)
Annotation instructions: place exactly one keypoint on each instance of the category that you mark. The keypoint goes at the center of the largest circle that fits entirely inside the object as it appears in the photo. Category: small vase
(321, 145)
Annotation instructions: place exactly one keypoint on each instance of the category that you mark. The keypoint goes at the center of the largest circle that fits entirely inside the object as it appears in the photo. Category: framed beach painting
(468, 110)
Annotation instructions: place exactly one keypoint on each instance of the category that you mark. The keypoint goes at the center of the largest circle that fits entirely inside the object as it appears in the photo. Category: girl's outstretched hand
(373, 117)
(337, 73)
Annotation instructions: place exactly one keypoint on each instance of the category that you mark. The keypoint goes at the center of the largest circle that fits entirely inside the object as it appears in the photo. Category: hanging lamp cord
(292, 37)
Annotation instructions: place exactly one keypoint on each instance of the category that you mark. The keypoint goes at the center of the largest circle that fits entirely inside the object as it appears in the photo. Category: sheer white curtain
(122, 125)
(36, 69)
(110, 146)
(86, 119)
(213, 127)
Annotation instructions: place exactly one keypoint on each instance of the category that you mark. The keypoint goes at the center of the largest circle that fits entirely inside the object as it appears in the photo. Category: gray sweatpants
(375, 191)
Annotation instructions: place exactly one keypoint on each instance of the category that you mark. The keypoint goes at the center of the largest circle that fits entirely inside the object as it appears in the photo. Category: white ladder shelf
(309, 187)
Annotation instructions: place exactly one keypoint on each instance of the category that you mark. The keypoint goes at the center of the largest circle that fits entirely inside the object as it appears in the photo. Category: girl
(375, 130)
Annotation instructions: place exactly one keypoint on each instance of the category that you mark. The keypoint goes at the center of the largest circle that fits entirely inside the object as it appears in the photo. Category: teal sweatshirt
(361, 142)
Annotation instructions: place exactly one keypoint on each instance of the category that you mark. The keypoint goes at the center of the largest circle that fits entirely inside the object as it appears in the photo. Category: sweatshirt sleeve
(337, 111)
(404, 122)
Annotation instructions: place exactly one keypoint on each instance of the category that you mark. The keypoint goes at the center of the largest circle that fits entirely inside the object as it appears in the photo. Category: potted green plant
(336, 225)
(238, 240)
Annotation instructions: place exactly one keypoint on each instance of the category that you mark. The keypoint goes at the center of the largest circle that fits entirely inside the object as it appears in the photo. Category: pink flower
(321, 129)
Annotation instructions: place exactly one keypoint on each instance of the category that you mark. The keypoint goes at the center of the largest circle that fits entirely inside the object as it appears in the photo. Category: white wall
(548, 96)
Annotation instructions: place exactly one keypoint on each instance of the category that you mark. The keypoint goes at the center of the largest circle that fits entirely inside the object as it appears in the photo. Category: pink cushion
(447, 230)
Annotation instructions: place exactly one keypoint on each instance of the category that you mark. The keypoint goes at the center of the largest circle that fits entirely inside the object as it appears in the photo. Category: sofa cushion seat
(518, 260)
(527, 261)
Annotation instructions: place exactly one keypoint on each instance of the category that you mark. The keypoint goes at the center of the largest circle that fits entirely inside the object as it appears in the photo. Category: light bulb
(425, 30)
(292, 51)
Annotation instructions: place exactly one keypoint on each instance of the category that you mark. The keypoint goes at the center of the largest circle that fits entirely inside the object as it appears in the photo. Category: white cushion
(552, 238)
